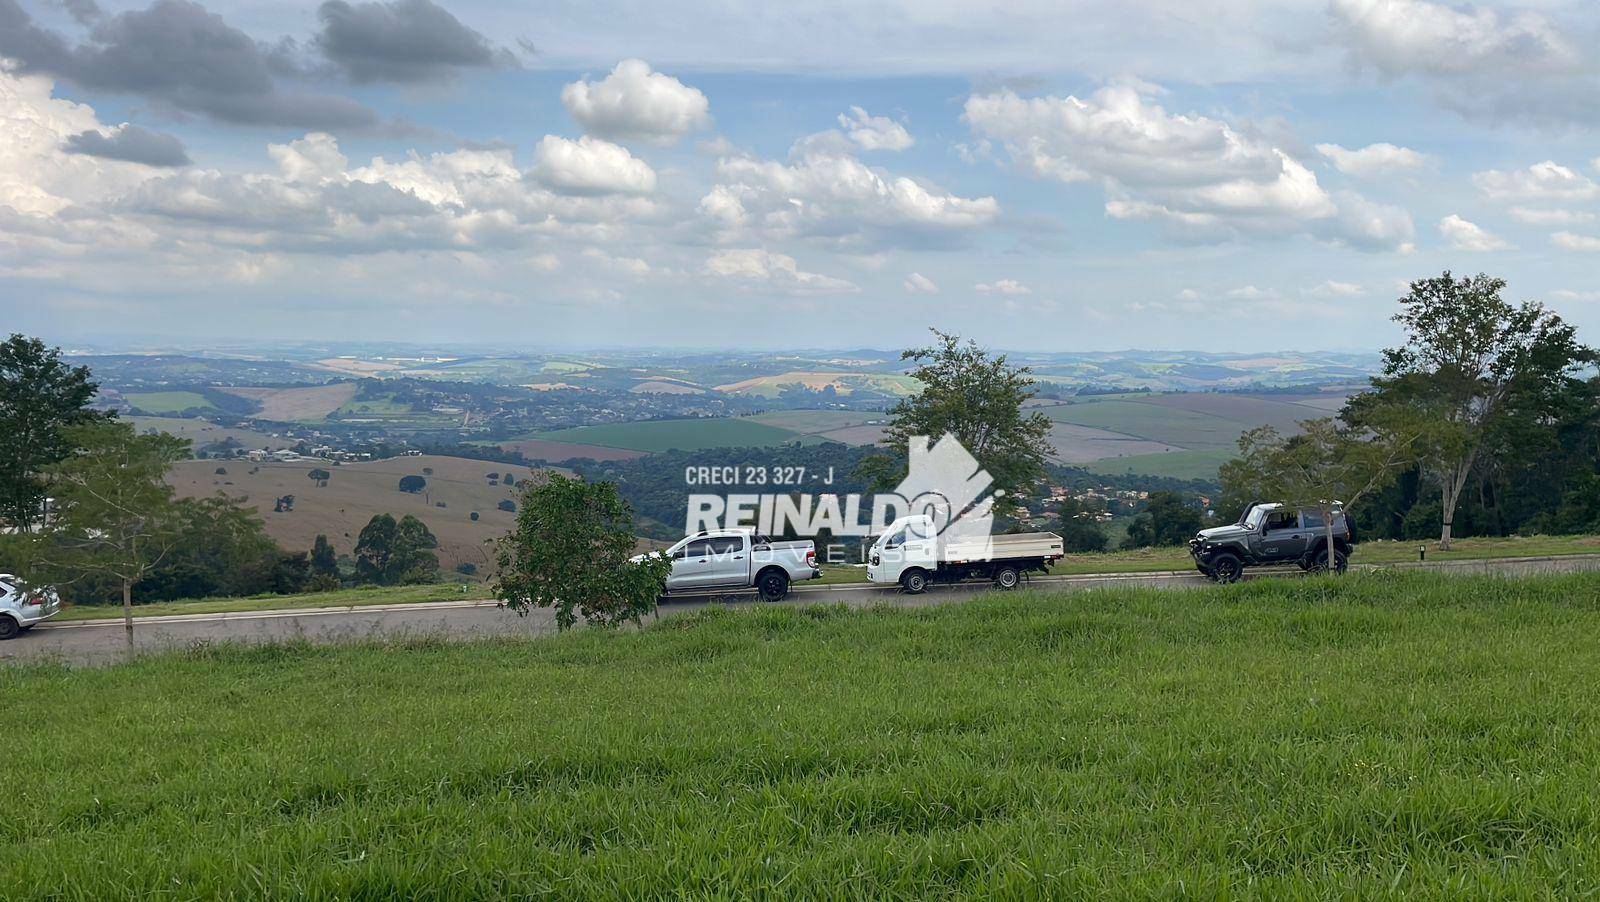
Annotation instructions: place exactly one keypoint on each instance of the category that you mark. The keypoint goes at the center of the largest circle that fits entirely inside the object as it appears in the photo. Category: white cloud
(1567, 294)
(1335, 289)
(36, 176)
(1550, 217)
(1003, 286)
(1247, 293)
(630, 266)
(1369, 225)
(590, 166)
(838, 199)
(874, 132)
(1469, 236)
(635, 102)
(1373, 160)
(1547, 182)
(310, 159)
(1200, 177)
(755, 267)
(1497, 66)
(1589, 244)
(1405, 36)
(917, 283)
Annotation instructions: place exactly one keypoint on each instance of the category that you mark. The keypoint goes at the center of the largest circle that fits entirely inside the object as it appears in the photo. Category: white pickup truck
(732, 559)
(909, 553)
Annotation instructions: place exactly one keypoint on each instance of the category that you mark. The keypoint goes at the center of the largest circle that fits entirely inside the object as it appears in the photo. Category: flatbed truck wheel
(914, 581)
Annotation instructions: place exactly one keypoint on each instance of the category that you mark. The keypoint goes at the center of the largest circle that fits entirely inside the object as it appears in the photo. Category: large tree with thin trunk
(1470, 361)
(976, 396)
(40, 397)
(115, 517)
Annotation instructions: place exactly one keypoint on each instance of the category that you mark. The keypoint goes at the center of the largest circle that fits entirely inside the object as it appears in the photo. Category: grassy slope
(360, 597)
(1368, 736)
(358, 491)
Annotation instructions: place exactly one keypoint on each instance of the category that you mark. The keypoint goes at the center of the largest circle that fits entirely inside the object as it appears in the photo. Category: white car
(21, 607)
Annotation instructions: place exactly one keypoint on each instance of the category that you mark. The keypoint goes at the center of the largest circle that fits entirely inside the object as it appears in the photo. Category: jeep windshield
(1254, 518)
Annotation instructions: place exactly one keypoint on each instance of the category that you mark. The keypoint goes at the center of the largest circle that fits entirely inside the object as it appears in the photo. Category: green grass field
(1380, 735)
(160, 402)
(684, 435)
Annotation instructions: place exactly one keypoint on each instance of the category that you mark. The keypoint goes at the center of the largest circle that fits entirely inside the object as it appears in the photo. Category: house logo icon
(947, 484)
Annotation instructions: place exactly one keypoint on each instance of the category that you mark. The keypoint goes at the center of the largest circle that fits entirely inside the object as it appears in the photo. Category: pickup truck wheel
(1007, 578)
(1226, 568)
(914, 581)
(9, 629)
(773, 586)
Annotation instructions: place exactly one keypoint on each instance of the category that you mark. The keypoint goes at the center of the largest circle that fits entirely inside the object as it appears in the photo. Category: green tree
(1326, 463)
(391, 552)
(571, 551)
(320, 477)
(40, 398)
(413, 484)
(115, 515)
(324, 561)
(1079, 532)
(1472, 363)
(221, 537)
(978, 398)
(1168, 519)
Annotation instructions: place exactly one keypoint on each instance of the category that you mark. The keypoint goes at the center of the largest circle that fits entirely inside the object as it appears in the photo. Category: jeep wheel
(1226, 568)
(773, 585)
(1006, 578)
(914, 581)
(9, 628)
(1340, 562)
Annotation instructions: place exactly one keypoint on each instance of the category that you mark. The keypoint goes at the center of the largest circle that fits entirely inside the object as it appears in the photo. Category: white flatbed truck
(910, 554)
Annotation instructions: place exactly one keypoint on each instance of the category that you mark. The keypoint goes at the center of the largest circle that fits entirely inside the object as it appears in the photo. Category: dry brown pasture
(298, 405)
(356, 492)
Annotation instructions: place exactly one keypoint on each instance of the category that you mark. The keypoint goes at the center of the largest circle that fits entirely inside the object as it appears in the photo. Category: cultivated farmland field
(892, 384)
(309, 404)
(1183, 434)
(1177, 464)
(557, 452)
(160, 402)
(684, 435)
(1370, 736)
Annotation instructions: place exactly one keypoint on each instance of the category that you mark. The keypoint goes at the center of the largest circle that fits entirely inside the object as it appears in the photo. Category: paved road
(99, 641)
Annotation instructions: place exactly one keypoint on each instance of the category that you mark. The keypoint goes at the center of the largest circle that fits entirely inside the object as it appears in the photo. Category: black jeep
(1272, 534)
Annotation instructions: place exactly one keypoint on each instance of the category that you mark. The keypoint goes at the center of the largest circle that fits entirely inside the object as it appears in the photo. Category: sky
(1039, 174)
